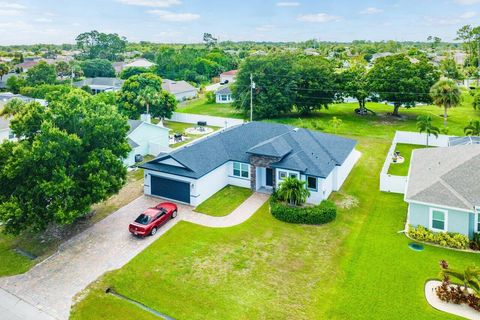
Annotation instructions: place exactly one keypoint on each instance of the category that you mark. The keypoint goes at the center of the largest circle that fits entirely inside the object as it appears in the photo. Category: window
(293, 175)
(477, 221)
(438, 219)
(224, 97)
(240, 170)
(312, 183)
(282, 175)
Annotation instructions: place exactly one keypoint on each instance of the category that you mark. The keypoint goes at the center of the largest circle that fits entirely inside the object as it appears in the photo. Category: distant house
(224, 95)
(443, 193)
(118, 66)
(255, 155)
(3, 81)
(460, 57)
(228, 77)
(376, 56)
(141, 63)
(26, 65)
(146, 138)
(100, 84)
(182, 90)
(7, 96)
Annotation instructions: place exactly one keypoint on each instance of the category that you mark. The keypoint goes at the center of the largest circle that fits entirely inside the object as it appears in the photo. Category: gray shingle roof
(100, 81)
(309, 152)
(224, 90)
(457, 141)
(445, 176)
(132, 143)
(133, 125)
(175, 87)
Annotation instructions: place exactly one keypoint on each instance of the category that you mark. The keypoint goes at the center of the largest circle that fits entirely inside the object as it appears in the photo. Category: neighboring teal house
(443, 189)
(146, 138)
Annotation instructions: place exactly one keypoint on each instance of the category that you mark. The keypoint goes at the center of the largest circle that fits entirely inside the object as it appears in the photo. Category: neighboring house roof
(100, 83)
(224, 90)
(134, 124)
(6, 96)
(457, 141)
(229, 73)
(132, 143)
(3, 81)
(312, 153)
(143, 63)
(118, 66)
(27, 64)
(175, 87)
(445, 176)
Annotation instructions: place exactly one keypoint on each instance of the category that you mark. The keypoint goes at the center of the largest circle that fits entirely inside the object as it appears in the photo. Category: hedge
(325, 212)
(446, 239)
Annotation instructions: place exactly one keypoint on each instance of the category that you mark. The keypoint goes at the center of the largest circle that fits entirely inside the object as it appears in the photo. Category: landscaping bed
(323, 213)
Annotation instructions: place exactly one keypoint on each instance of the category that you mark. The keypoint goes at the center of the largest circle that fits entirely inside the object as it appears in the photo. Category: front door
(269, 177)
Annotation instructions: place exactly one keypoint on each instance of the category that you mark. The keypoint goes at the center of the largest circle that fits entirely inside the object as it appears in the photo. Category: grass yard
(44, 244)
(224, 201)
(358, 267)
(401, 169)
(179, 127)
(201, 106)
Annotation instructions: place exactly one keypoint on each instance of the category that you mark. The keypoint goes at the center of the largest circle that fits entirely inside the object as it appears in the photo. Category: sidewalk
(13, 308)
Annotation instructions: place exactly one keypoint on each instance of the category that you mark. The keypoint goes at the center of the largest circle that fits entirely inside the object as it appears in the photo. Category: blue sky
(59, 21)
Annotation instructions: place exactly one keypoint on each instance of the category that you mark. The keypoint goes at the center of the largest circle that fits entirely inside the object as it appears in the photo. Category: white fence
(397, 184)
(211, 120)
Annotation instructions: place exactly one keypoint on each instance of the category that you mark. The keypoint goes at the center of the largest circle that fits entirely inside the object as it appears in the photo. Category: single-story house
(141, 62)
(443, 193)
(100, 84)
(27, 64)
(254, 155)
(182, 90)
(224, 95)
(228, 77)
(146, 138)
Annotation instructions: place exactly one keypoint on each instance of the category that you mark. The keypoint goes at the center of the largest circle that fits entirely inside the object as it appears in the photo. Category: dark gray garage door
(171, 189)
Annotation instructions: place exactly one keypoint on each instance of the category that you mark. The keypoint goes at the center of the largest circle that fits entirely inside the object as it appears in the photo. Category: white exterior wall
(151, 140)
(182, 96)
(4, 134)
(236, 181)
(341, 172)
(218, 98)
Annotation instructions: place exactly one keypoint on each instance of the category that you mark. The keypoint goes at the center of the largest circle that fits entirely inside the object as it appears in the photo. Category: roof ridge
(452, 190)
(321, 146)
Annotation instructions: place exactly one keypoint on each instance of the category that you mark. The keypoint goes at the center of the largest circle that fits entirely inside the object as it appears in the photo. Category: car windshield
(143, 219)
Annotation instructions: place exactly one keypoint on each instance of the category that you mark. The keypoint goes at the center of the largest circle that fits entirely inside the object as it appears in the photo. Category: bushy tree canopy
(67, 158)
(132, 71)
(42, 73)
(97, 68)
(98, 45)
(160, 102)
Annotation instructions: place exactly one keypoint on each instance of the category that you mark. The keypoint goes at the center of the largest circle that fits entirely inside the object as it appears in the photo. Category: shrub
(475, 243)
(446, 239)
(210, 96)
(323, 213)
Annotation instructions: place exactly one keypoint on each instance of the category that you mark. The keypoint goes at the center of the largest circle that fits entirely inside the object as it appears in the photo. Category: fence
(211, 120)
(397, 184)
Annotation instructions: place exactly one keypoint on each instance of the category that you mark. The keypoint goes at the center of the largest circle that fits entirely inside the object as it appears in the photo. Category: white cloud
(467, 2)
(46, 20)
(174, 17)
(11, 9)
(468, 15)
(151, 3)
(371, 10)
(318, 17)
(288, 4)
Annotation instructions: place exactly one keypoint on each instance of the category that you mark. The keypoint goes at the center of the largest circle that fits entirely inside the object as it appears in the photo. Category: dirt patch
(347, 202)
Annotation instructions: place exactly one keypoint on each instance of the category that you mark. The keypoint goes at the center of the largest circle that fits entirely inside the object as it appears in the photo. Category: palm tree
(293, 191)
(148, 97)
(470, 277)
(473, 128)
(424, 124)
(445, 93)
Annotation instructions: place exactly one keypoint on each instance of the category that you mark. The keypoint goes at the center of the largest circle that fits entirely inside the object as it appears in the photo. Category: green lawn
(201, 106)
(179, 127)
(358, 267)
(224, 201)
(401, 169)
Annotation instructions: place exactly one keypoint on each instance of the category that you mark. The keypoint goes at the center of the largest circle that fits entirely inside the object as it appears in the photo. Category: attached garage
(170, 189)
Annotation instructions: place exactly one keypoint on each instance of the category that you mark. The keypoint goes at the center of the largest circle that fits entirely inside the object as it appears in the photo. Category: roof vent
(296, 129)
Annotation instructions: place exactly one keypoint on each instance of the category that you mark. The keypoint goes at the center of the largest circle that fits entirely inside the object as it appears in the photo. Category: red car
(151, 219)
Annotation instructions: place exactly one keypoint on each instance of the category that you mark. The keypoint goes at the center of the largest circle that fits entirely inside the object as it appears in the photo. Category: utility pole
(252, 86)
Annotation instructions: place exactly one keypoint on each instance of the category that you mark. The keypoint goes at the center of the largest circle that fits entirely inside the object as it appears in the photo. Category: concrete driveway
(50, 286)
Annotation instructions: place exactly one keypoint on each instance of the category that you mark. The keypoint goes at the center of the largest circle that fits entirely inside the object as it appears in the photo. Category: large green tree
(450, 69)
(98, 45)
(144, 90)
(97, 68)
(353, 83)
(275, 85)
(4, 69)
(315, 83)
(67, 158)
(16, 83)
(446, 94)
(42, 73)
(403, 82)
